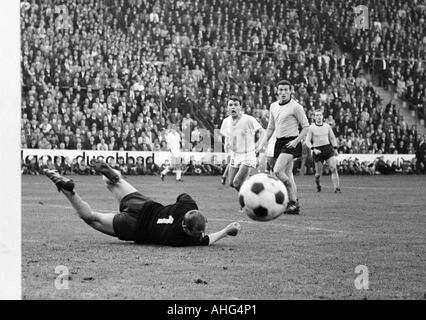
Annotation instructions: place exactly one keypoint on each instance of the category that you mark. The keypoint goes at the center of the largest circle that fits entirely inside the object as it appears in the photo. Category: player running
(173, 143)
(286, 115)
(323, 143)
(239, 130)
(141, 219)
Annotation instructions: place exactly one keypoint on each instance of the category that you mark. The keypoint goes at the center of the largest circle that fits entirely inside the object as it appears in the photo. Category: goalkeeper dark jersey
(163, 224)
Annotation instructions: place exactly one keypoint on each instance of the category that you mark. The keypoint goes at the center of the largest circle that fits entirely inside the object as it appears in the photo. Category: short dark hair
(234, 98)
(284, 83)
(195, 221)
(318, 110)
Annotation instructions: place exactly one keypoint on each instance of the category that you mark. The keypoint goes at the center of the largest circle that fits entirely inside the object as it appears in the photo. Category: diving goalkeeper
(141, 219)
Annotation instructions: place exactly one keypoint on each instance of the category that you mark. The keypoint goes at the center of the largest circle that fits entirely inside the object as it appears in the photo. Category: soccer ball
(263, 197)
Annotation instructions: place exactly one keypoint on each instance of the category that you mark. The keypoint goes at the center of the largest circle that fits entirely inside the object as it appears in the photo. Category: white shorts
(271, 147)
(249, 159)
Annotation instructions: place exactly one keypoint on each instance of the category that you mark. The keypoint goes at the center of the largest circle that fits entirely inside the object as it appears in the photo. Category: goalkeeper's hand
(233, 228)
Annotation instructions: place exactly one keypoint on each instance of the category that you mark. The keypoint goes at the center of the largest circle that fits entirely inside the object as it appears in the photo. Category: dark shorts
(125, 222)
(280, 147)
(327, 152)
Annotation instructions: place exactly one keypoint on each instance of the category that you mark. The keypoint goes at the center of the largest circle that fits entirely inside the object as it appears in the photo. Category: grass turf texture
(379, 222)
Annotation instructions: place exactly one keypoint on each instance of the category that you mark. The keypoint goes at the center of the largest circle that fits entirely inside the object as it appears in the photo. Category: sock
(335, 180)
(317, 180)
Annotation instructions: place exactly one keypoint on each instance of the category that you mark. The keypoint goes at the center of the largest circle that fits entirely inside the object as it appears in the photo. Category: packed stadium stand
(114, 74)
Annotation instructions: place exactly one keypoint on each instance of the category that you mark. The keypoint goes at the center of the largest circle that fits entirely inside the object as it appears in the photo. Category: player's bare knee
(90, 220)
(94, 220)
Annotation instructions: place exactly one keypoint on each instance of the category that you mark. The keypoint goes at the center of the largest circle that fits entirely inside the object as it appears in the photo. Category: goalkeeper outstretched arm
(231, 229)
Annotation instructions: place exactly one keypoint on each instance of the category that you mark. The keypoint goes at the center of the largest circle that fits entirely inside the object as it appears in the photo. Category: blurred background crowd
(115, 74)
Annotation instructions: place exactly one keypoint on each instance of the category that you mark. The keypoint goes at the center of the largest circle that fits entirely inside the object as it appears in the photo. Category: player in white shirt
(285, 117)
(173, 143)
(323, 143)
(240, 130)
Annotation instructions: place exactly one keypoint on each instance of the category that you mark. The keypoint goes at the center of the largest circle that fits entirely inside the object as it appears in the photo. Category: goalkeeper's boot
(61, 182)
(103, 168)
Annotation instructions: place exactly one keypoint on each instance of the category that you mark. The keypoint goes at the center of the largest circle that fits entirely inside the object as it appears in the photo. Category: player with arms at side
(173, 144)
(239, 131)
(286, 115)
(141, 219)
(323, 143)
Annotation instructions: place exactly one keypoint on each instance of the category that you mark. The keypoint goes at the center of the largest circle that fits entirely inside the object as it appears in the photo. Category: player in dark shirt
(141, 219)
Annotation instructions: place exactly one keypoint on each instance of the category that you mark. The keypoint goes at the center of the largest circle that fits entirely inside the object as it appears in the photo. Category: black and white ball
(263, 197)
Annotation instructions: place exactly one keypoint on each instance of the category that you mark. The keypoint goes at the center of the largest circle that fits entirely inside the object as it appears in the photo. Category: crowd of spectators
(115, 74)
(377, 167)
(394, 47)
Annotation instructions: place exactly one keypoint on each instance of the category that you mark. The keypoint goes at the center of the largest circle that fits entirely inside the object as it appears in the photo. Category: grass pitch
(378, 222)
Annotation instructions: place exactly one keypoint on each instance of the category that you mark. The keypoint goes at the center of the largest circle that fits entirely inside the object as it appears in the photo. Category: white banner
(160, 157)
(87, 155)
